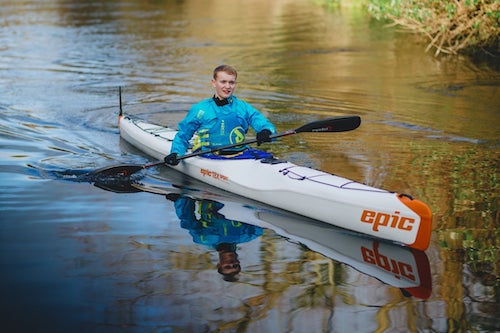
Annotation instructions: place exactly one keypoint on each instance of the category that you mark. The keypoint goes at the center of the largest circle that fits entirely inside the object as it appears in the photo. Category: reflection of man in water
(209, 227)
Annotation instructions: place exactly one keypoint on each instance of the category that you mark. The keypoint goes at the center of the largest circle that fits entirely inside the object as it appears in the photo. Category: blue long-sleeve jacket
(218, 125)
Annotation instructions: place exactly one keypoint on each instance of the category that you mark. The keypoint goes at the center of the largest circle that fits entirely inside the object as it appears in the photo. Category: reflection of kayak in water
(395, 265)
(308, 192)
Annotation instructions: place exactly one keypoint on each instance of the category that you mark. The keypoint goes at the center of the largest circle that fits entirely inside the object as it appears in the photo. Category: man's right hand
(171, 159)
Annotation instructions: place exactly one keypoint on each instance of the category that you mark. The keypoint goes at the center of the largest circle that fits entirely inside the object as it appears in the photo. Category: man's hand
(171, 159)
(263, 136)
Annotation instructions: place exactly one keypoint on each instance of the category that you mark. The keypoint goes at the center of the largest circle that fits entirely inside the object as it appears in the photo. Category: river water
(79, 258)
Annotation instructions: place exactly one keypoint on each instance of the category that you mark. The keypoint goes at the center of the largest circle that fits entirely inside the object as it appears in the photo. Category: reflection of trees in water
(470, 238)
(281, 277)
(466, 223)
(482, 296)
(471, 286)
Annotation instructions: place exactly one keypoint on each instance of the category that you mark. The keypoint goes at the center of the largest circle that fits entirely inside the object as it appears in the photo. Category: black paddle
(337, 124)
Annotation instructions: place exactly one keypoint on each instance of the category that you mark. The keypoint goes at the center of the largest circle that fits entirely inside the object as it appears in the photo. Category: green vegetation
(450, 26)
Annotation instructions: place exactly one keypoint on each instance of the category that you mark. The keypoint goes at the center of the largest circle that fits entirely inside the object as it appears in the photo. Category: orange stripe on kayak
(425, 229)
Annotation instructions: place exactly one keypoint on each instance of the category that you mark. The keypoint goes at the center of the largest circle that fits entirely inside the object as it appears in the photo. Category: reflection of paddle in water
(209, 227)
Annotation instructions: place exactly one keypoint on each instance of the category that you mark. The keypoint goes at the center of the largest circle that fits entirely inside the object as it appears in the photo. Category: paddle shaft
(214, 150)
(339, 124)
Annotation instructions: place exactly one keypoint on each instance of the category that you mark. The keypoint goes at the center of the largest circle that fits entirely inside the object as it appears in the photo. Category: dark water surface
(78, 258)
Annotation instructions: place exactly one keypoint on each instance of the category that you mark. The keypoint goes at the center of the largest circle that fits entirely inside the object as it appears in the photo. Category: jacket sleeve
(186, 129)
(257, 120)
(184, 208)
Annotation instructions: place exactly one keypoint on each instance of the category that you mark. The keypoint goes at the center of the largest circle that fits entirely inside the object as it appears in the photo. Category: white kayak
(302, 190)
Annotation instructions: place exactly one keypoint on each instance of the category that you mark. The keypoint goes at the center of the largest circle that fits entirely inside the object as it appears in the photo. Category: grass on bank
(450, 26)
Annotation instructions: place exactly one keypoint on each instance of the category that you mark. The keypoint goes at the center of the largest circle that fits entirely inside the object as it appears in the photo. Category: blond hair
(226, 69)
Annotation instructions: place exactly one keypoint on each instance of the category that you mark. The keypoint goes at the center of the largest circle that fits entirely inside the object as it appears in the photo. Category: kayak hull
(312, 193)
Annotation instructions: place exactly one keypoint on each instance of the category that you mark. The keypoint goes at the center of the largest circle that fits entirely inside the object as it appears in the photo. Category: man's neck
(220, 101)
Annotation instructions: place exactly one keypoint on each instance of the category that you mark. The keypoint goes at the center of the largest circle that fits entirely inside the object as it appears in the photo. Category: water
(76, 257)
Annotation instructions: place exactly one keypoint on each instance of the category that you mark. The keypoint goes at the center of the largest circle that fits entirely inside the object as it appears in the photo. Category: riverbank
(447, 27)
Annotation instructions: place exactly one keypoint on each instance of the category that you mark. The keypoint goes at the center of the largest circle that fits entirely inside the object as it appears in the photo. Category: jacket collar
(222, 102)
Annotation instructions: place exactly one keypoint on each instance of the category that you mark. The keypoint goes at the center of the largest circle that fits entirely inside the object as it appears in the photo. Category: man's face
(224, 85)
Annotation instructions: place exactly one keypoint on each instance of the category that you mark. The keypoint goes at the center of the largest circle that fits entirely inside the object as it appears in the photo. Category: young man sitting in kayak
(220, 120)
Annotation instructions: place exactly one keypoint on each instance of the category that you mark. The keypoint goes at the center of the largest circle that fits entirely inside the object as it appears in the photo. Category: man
(220, 120)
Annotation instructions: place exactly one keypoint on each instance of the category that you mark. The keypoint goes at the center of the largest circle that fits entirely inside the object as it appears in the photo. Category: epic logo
(374, 257)
(387, 220)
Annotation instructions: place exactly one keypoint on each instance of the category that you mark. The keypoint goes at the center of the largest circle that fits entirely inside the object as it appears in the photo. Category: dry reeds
(451, 26)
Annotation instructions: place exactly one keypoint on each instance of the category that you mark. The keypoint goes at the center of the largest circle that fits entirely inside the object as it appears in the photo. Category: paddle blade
(122, 170)
(337, 124)
(117, 186)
